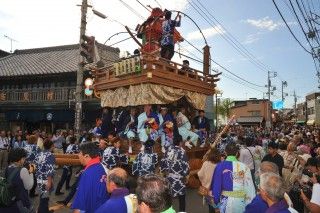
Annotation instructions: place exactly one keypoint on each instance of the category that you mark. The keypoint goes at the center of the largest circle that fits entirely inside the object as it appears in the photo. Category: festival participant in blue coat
(148, 125)
(97, 131)
(146, 161)
(258, 204)
(67, 170)
(184, 128)
(45, 162)
(273, 193)
(116, 186)
(112, 156)
(201, 126)
(232, 186)
(164, 118)
(91, 192)
(32, 150)
(175, 166)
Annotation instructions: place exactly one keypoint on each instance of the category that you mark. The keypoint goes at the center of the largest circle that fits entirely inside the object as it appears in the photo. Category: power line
(283, 19)
(228, 36)
(132, 10)
(223, 66)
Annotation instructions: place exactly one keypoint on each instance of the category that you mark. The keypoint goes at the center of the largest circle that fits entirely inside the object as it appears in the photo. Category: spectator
(153, 194)
(273, 156)
(272, 192)
(116, 186)
(4, 147)
(21, 179)
(91, 192)
(44, 172)
(19, 143)
(246, 155)
(58, 140)
(313, 205)
(207, 170)
(289, 171)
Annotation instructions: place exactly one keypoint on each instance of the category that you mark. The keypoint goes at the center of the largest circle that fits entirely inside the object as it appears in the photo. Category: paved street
(193, 200)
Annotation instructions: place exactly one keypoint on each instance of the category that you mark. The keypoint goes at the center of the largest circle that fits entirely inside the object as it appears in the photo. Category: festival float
(147, 78)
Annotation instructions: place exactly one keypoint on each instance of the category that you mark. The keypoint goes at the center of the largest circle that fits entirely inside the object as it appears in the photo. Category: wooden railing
(148, 63)
(40, 95)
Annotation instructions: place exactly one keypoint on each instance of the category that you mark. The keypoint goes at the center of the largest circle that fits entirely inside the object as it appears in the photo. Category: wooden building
(37, 88)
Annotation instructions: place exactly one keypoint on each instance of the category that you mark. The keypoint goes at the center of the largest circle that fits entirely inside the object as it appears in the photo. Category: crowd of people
(251, 169)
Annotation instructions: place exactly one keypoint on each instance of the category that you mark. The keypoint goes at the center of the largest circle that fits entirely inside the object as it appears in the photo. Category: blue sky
(254, 23)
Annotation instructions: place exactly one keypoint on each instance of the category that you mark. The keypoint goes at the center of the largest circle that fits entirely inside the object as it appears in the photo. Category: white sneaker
(187, 144)
(130, 150)
(163, 150)
(202, 145)
(142, 148)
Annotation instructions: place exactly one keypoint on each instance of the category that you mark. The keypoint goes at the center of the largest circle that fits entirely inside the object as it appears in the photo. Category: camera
(307, 173)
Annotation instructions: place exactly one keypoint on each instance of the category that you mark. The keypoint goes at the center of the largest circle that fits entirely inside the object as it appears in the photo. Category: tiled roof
(49, 60)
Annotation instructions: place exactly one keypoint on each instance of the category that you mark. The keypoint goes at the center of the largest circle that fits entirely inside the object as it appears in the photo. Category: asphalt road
(193, 200)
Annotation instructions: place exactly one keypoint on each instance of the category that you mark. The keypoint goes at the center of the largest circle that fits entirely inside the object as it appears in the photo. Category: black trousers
(43, 205)
(65, 177)
(33, 189)
(167, 51)
(72, 191)
(182, 203)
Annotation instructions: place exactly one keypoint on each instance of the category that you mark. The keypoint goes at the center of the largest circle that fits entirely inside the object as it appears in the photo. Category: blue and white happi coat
(145, 163)
(45, 162)
(112, 157)
(32, 150)
(232, 186)
(71, 149)
(176, 167)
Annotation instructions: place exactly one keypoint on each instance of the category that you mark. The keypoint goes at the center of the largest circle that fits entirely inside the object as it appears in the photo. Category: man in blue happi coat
(175, 166)
(112, 156)
(201, 126)
(91, 192)
(44, 173)
(116, 186)
(164, 118)
(146, 161)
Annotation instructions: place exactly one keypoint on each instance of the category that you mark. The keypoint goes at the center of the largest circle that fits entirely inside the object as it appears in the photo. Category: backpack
(7, 192)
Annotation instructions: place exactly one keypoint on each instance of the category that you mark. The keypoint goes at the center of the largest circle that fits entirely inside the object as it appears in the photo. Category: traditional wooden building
(37, 88)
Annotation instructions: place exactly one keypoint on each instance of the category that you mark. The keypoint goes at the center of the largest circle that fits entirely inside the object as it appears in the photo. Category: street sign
(277, 104)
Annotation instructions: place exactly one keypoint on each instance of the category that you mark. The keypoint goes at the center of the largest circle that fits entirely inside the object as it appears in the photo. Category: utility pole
(270, 92)
(295, 102)
(283, 84)
(78, 93)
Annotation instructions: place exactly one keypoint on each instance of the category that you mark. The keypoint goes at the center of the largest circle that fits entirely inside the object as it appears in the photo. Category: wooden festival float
(146, 78)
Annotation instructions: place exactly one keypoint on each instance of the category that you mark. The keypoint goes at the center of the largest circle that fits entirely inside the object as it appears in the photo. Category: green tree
(224, 106)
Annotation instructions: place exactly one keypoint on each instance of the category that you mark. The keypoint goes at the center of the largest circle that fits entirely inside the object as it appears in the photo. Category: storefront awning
(41, 115)
(300, 122)
(249, 120)
(310, 122)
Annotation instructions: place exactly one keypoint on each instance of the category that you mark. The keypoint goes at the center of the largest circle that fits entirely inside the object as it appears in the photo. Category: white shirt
(316, 194)
(246, 157)
(4, 141)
